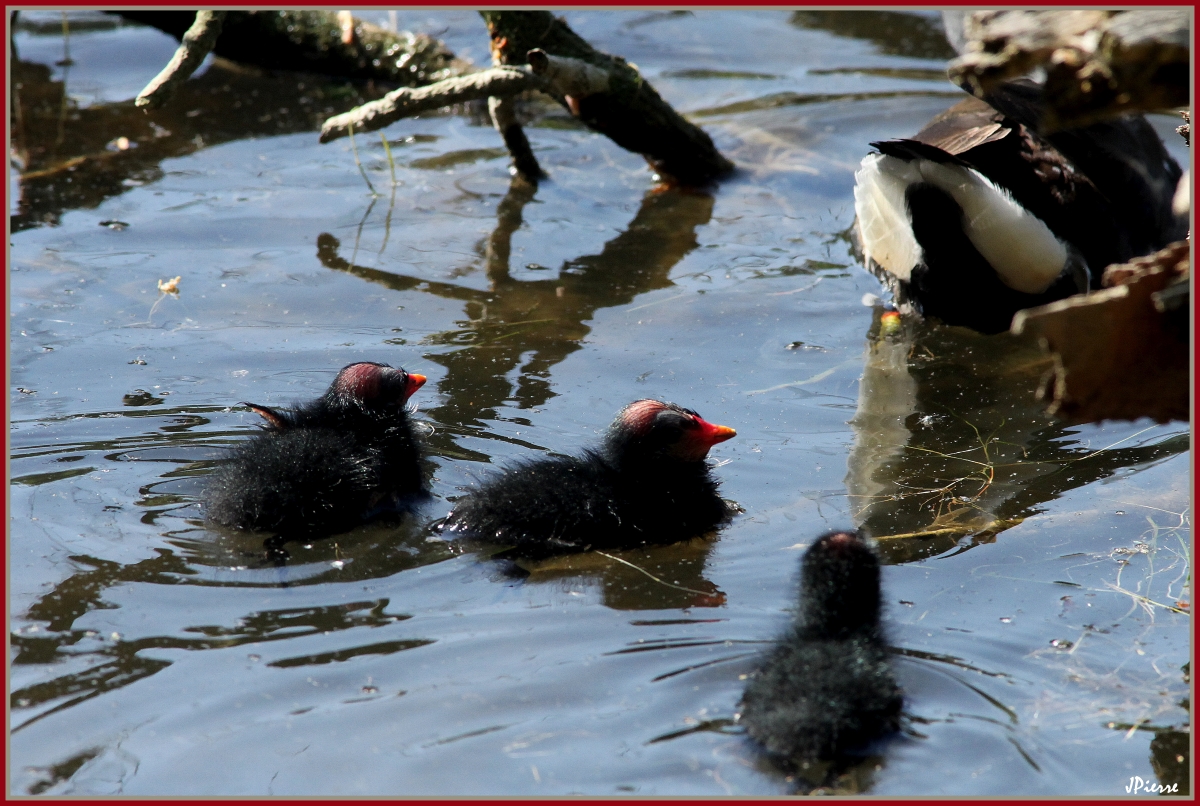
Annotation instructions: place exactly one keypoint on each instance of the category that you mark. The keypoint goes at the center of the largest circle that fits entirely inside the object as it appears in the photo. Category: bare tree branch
(609, 96)
(566, 77)
(197, 43)
(406, 102)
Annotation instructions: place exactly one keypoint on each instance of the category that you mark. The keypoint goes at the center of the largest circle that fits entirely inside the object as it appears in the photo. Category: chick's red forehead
(842, 540)
(360, 380)
(640, 414)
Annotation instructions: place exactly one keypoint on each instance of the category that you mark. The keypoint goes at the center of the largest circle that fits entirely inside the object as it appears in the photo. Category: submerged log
(1099, 64)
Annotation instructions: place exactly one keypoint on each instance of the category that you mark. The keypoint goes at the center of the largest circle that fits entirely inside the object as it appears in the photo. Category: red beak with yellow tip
(415, 382)
(712, 434)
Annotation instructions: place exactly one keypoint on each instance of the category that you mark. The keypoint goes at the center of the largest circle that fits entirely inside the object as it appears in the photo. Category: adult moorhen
(978, 216)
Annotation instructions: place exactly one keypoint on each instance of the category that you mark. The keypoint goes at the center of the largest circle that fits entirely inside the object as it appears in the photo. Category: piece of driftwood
(1123, 352)
(196, 43)
(313, 41)
(607, 94)
(1099, 64)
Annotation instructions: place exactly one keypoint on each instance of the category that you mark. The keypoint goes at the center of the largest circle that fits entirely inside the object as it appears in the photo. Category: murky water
(1034, 571)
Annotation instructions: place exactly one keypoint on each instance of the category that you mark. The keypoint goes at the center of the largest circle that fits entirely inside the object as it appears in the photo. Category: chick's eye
(676, 420)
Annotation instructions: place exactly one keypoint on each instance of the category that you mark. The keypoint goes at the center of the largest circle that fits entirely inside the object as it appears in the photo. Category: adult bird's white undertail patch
(1025, 254)
(1019, 246)
(884, 229)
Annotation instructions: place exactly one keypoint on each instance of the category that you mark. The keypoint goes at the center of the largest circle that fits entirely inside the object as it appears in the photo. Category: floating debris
(170, 286)
(140, 397)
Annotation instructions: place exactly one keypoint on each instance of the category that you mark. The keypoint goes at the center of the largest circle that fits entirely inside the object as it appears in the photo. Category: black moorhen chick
(826, 687)
(326, 466)
(978, 216)
(648, 483)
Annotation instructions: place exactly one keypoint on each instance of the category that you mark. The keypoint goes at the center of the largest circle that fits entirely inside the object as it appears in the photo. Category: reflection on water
(506, 323)
(544, 318)
(952, 445)
(531, 325)
(893, 32)
(73, 157)
(1169, 754)
(120, 665)
(655, 578)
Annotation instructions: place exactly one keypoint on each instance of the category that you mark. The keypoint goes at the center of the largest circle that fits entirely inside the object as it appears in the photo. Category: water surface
(1033, 571)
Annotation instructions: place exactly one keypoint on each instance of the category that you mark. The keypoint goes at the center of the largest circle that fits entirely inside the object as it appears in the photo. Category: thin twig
(948, 530)
(387, 222)
(656, 579)
(820, 376)
(947, 455)
(358, 233)
(1146, 601)
(66, 61)
(1115, 444)
(997, 525)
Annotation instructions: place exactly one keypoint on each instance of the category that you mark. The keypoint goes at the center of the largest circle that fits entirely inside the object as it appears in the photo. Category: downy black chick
(826, 688)
(648, 482)
(326, 466)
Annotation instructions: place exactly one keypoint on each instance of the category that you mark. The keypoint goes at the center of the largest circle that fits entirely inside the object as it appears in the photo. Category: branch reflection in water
(532, 325)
